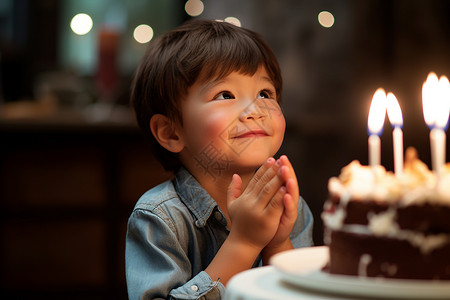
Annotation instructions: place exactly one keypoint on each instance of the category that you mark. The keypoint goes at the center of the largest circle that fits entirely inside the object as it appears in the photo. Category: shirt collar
(194, 196)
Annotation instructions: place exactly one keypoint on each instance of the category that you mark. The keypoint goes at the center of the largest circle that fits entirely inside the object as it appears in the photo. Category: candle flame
(443, 111)
(377, 112)
(436, 101)
(394, 111)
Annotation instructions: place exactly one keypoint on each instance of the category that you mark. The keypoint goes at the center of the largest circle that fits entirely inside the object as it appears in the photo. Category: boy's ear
(165, 133)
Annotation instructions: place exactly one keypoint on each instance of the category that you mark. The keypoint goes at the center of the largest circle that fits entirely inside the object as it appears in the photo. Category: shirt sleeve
(302, 233)
(157, 265)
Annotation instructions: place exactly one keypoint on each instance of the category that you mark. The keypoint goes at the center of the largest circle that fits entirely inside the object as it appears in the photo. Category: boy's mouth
(251, 134)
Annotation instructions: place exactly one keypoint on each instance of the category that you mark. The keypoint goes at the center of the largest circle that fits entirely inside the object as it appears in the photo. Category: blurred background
(73, 163)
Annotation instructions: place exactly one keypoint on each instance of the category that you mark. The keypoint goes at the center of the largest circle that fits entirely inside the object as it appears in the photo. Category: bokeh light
(143, 33)
(326, 19)
(81, 24)
(233, 20)
(194, 8)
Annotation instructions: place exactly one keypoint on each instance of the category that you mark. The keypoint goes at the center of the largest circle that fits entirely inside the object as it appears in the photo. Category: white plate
(303, 267)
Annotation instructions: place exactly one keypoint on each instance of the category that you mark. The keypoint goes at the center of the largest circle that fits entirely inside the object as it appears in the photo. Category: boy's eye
(224, 96)
(265, 94)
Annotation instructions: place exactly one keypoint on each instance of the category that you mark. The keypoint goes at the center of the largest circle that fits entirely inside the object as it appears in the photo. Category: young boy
(207, 94)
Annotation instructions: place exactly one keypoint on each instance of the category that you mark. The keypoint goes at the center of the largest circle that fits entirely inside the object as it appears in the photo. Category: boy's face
(231, 125)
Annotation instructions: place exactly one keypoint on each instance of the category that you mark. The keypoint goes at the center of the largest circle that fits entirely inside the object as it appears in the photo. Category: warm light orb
(233, 20)
(326, 19)
(143, 34)
(393, 110)
(81, 24)
(377, 112)
(194, 8)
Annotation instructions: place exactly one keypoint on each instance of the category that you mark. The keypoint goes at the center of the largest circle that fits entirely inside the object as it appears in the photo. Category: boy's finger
(234, 189)
(290, 205)
(285, 161)
(263, 169)
(268, 189)
(290, 174)
(292, 188)
(263, 176)
(275, 205)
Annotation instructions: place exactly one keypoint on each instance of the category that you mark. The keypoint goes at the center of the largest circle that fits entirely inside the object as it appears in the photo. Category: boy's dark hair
(197, 50)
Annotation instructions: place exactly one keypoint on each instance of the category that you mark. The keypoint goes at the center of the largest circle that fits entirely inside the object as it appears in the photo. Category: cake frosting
(416, 184)
(370, 208)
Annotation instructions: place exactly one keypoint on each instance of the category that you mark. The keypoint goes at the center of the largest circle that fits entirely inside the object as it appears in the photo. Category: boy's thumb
(234, 189)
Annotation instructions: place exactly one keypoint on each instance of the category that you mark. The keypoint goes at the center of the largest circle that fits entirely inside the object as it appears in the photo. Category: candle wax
(437, 144)
(374, 150)
(397, 136)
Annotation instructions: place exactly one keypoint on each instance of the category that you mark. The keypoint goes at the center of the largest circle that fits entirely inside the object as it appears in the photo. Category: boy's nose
(252, 111)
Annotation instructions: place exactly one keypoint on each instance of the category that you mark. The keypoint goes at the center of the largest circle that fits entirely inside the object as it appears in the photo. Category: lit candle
(375, 122)
(395, 117)
(436, 107)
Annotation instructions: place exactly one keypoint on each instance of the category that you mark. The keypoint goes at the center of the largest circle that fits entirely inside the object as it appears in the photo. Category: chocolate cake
(381, 225)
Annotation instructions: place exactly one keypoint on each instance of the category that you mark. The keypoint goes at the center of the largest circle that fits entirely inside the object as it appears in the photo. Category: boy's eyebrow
(268, 79)
(210, 84)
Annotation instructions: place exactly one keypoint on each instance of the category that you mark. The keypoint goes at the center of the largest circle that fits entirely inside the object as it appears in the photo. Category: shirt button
(194, 288)
(218, 216)
(198, 224)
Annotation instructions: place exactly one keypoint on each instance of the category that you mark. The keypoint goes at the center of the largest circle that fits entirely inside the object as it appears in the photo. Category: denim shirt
(174, 232)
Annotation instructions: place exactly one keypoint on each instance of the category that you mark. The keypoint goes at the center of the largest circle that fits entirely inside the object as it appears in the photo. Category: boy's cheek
(281, 123)
(275, 114)
(210, 130)
(216, 126)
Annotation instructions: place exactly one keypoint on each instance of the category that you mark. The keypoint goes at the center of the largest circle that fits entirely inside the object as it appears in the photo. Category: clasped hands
(263, 215)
